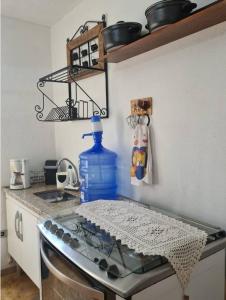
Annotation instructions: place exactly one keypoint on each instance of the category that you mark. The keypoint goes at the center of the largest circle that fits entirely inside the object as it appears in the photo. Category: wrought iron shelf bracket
(74, 109)
(82, 63)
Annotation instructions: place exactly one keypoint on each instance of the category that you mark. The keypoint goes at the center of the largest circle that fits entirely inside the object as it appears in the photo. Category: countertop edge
(39, 207)
(23, 202)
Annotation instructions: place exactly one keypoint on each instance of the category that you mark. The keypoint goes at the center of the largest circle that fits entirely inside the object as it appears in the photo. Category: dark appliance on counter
(79, 257)
(120, 34)
(50, 169)
(167, 12)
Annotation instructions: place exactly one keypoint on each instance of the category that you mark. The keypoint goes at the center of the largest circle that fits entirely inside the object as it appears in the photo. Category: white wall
(187, 82)
(25, 58)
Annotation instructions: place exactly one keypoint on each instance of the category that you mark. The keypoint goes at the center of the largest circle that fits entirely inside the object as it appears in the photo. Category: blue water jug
(97, 168)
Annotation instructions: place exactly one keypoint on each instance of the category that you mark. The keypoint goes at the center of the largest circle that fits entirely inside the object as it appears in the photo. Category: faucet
(76, 184)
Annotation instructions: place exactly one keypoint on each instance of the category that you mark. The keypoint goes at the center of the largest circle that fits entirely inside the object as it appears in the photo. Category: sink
(55, 196)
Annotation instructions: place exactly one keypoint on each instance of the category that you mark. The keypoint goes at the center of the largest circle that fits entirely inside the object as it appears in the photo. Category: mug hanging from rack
(142, 119)
(133, 120)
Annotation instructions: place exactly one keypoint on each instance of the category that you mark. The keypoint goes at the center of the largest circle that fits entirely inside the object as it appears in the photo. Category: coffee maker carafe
(19, 174)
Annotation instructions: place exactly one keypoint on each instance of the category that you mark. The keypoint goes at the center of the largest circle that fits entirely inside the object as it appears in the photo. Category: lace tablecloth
(149, 232)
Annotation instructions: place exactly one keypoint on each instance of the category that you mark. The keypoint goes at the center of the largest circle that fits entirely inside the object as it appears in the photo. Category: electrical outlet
(3, 233)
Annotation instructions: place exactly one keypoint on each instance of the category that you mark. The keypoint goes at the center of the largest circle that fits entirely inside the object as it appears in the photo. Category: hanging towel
(141, 164)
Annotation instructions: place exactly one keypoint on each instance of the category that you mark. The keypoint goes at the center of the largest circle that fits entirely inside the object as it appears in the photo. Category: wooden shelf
(204, 18)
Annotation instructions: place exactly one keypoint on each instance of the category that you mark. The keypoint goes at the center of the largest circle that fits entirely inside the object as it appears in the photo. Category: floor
(18, 287)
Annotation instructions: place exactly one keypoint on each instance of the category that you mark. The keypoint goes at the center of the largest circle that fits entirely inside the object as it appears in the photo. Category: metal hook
(148, 120)
(132, 121)
(139, 119)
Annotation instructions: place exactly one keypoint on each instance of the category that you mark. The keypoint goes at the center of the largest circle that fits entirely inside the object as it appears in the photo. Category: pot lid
(166, 2)
(121, 24)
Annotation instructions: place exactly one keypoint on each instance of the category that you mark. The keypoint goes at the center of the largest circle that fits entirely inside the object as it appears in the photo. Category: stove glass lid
(103, 249)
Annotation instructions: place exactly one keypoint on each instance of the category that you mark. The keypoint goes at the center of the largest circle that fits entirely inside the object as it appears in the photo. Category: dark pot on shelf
(120, 34)
(167, 12)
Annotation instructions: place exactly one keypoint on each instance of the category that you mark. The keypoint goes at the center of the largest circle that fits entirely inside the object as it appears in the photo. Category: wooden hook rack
(141, 107)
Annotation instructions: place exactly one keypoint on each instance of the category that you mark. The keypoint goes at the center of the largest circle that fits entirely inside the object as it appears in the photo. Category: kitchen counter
(39, 206)
(51, 210)
(46, 210)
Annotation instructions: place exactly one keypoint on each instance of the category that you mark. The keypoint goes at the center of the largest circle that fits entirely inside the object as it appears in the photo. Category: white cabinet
(208, 278)
(30, 248)
(14, 242)
(23, 239)
(206, 283)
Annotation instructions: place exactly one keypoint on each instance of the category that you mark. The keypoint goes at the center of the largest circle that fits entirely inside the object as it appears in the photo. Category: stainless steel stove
(98, 259)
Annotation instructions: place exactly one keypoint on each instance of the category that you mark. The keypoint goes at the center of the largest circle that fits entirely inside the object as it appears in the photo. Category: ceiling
(43, 12)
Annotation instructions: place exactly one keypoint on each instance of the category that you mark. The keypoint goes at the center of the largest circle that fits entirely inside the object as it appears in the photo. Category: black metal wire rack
(68, 74)
(75, 109)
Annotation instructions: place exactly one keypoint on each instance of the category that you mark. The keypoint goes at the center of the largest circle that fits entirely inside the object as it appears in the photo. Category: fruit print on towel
(139, 162)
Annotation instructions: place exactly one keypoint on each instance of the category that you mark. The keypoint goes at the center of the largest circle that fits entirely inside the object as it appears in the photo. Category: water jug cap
(97, 130)
(96, 124)
(95, 119)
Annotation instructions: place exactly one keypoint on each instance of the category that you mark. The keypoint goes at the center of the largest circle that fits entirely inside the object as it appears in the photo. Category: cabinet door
(167, 289)
(30, 246)
(14, 243)
(206, 283)
(208, 280)
(23, 239)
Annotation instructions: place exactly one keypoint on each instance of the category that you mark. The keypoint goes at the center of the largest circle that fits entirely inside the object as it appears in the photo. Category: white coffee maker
(19, 174)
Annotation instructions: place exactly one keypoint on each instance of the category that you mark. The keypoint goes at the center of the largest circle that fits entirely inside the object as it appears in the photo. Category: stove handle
(87, 291)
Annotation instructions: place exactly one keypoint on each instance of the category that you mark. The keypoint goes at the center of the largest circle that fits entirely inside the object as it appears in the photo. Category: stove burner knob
(211, 238)
(221, 234)
(113, 272)
(74, 243)
(59, 233)
(103, 265)
(96, 259)
(66, 237)
(53, 228)
(47, 224)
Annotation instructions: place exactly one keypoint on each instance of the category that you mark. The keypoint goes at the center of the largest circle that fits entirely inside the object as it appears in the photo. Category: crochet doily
(149, 232)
